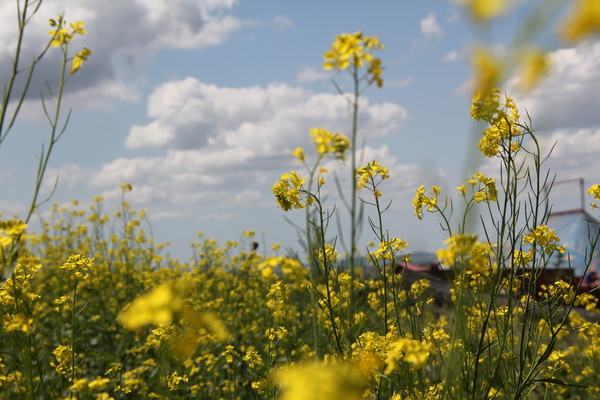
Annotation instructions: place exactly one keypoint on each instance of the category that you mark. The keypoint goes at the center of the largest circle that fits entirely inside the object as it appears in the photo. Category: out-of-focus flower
(584, 21)
(487, 68)
(317, 381)
(534, 65)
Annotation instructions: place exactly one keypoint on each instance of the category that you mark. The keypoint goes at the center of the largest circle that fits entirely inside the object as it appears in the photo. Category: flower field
(93, 309)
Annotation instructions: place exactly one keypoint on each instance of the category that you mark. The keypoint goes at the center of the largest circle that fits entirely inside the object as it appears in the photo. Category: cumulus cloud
(282, 23)
(430, 27)
(269, 120)
(309, 74)
(117, 30)
(452, 56)
(223, 147)
(568, 97)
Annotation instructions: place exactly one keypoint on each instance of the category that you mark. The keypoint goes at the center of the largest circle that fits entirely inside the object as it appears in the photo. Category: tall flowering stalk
(353, 52)
(60, 37)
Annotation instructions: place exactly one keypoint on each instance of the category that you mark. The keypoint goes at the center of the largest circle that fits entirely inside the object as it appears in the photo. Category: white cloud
(452, 56)
(401, 83)
(309, 74)
(430, 27)
(117, 31)
(282, 23)
(190, 114)
(568, 96)
(224, 147)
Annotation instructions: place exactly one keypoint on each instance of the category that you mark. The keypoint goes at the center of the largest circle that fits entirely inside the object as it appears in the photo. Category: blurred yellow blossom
(584, 20)
(488, 70)
(155, 308)
(483, 10)
(389, 248)
(320, 381)
(535, 64)
(299, 154)
(407, 350)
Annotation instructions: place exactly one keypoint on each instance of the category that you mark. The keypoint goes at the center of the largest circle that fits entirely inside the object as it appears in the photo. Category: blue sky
(198, 105)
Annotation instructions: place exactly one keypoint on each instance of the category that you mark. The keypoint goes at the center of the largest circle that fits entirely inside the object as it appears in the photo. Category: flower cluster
(355, 49)
(413, 352)
(367, 174)
(503, 117)
(594, 190)
(422, 201)
(327, 142)
(584, 21)
(487, 190)
(466, 251)
(287, 191)
(389, 248)
(545, 238)
(61, 36)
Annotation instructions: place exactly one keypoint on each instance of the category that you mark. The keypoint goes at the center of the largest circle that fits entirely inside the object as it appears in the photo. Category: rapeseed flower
(320, 381)
(484, 10)
(594, 190)
(487, 188)
(503, 117)
(327, 142)
(421, 201)
(488, 70)
(545, 238)
(584, 21)
(79, 59)
(355, 49)
(287, 191)
(389, 248)
(156, 308)
(369, 172)
(413, 352)
(534, 65)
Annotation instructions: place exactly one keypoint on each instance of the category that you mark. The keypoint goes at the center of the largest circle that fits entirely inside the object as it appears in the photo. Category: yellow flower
(299, 154)
(327, 142)
(354, 49)
(545, 238)
(318, 381)
(287, 191)
(503, 118)
(79, 59)
(77, 28)
(483, 10)
(595, 191)
(422, 201)
(389, 248)
(584, 20)
(535, 65)
(368, 173)
(487, 188)
(407, 350)
(488, 70)
(60, 36)
(155, 308)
